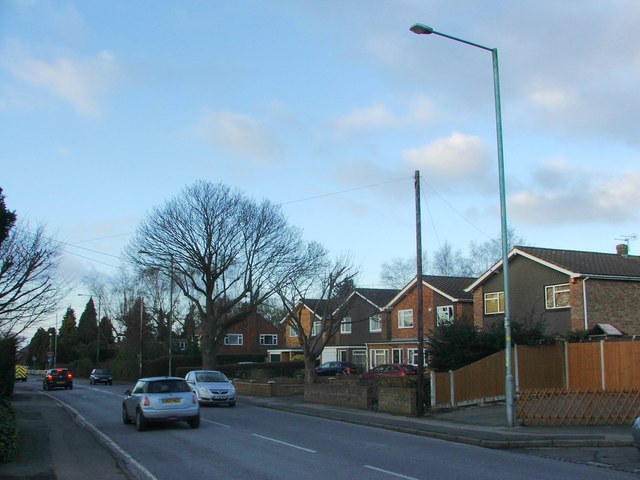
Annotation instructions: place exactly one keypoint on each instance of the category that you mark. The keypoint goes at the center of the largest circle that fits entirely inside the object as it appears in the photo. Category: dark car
(392, 370)
(100, 375)
(160, 399)
(338, 368)
(57, 378)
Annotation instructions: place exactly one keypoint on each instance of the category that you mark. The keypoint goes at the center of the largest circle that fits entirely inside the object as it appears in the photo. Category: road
(259, 443)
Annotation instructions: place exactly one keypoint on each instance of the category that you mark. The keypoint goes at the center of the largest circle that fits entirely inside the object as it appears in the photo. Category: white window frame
(413, 356)
(359, 357)
(237, 337)
(316, 328)
(293, 332)
(493, 297)
(397, 355)
(403, 321)
(378, 356)
(552, 294)
(375, 323)
(345, 325)
(265, 336)
(342, 355)
(444, 315)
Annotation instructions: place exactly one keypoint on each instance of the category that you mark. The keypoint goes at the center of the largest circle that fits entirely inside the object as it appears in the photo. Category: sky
(327, 108)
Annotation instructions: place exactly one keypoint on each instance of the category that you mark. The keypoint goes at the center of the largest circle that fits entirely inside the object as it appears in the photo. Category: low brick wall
(269, 389)
(344, 394)
(397, 400)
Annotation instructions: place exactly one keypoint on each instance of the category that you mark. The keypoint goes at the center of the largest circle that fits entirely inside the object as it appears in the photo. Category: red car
(392, 370)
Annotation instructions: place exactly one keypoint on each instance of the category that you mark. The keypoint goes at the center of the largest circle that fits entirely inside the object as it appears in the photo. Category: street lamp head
(421, 29)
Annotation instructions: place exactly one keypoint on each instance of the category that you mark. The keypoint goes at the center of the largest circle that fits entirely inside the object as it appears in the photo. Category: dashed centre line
(285, 443)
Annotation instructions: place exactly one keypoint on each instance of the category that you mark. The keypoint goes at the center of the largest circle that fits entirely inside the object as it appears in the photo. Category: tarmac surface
(52, 447)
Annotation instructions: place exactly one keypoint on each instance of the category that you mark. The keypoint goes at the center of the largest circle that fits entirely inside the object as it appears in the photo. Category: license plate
(170, 400)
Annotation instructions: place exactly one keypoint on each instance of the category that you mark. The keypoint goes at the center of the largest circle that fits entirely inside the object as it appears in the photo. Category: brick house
(252, 337)
(565, 289)
(443, 300)
(362, 321)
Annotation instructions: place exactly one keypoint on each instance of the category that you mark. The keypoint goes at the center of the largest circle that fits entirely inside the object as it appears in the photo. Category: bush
(8, 432)
(7, 366)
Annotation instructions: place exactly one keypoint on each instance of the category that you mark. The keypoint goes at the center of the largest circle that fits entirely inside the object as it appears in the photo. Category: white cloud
(79, 82)
(238, 134)
(457, 160)
(562, 194)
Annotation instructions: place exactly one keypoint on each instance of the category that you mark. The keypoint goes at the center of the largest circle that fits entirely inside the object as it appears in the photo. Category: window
(317, 327)
(268, 339)
(342, 355)
(345, 325)
(293, 331)
(413, 356)
(397, 355)
(405, 318)
(375, 323)
(557, 296)
(359, 357)
(378, 357)
(233, 339)
(444, 315)
(493, 302)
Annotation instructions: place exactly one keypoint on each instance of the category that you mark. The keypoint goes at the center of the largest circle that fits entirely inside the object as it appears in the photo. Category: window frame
(402, 323)
(372, 322)
(496, 297)
(238, 336)
(316, 328)
(346, 326)
(450, 315)
(263, 337)
(555, 292)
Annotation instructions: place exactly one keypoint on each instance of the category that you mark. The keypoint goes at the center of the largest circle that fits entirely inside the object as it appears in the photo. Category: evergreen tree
(38, 348)
(68, 338)
(7, 219)
(88, 324)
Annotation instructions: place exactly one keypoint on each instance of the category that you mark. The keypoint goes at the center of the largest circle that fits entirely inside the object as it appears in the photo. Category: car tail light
(69, 376)
(49, 377)
(146, 402)
(347, 370)
(193, 398)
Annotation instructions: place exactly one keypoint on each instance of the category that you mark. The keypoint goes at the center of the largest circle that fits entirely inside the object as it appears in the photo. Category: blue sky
(109, 109)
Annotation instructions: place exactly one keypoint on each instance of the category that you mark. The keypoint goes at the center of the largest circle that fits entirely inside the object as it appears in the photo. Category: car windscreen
(102, 372)
(168, 386)
(211, 377)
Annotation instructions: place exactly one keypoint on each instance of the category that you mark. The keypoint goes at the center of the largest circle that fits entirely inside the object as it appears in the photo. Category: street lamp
(170, 320)
(421, 29)
(98, 346)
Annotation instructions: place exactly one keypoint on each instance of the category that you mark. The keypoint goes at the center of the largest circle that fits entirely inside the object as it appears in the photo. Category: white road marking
(284, 443)
(399, 475)
(215, 423)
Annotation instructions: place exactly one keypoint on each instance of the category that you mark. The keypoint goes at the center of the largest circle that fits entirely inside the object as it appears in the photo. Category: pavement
(52, 447)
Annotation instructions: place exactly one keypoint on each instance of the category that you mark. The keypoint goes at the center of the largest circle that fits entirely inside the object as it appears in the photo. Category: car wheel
(232, 404)
(140, 423)
(110, 383)
(44, 386)
(125, 418)
(194, 422)
(71, 387)
(90, 382)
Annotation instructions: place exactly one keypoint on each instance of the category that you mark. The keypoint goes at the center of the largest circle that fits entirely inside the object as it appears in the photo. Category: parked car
(160, 399)
(57, 378)
(100, 375)
(338, 368)
(635, 433)
(392, 370)
(212, 387)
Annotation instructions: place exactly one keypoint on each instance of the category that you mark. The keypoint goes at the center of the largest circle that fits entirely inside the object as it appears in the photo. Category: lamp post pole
(421, 29)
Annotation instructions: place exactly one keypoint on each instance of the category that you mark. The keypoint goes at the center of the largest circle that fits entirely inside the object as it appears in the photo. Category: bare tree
(447, 262)
(224, 252)
(484, 255)
(28, 287)
(310, 302)
(398, 272)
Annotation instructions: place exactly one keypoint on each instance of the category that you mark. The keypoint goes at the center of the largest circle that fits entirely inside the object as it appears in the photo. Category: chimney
(622, 249)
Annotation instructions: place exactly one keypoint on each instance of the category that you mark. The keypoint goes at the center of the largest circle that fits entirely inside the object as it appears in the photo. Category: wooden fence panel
(443, 387)
(622, 365)
(482, 379)
(540, 366)
(584, 366)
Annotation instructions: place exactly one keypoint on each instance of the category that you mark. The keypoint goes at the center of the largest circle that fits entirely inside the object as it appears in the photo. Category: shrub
(7, 366)
(8, 432)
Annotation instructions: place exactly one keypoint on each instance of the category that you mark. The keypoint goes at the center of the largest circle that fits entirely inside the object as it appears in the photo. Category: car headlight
(203, 391)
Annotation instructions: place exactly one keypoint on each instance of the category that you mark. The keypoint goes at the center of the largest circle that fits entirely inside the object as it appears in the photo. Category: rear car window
(168, 386)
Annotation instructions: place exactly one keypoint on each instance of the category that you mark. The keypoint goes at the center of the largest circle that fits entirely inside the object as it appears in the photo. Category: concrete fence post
(452, 387)
(432, 382)
(603, 381)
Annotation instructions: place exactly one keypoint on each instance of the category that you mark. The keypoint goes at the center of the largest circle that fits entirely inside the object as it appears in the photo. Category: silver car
(160, 399)
(212, 387)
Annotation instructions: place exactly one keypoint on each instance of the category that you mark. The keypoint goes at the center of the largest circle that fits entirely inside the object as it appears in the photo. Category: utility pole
(420, 313)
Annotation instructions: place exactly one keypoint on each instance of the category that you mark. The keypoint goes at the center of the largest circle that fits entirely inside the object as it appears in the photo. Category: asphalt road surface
(250, 442)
